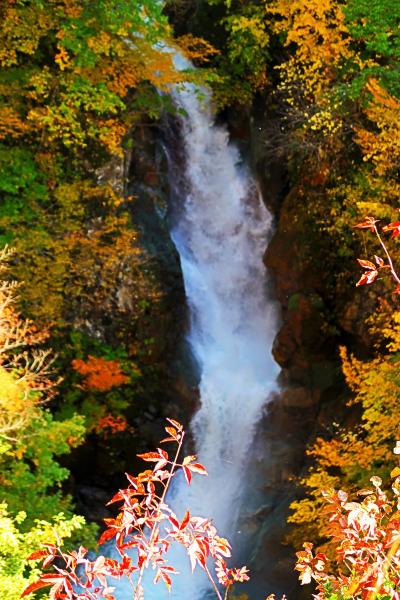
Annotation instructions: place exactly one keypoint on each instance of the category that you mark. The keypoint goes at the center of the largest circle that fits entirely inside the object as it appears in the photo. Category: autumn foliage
(33, 508)
(365, 537)
(100, 374)
(380, 144)
(372, 270)
(25, 367)
(146, 525)
(110, 425)
(77, 81)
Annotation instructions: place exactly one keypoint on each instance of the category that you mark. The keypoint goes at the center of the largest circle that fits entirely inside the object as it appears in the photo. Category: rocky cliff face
(305, 347)
(147, 315)
(319, 312)
(152, 215)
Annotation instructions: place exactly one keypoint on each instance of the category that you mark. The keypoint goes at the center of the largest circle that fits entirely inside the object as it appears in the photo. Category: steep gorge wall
(153, 337)
(317, 316)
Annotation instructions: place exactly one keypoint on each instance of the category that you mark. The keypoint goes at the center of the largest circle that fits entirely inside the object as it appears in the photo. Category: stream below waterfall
(220, 228)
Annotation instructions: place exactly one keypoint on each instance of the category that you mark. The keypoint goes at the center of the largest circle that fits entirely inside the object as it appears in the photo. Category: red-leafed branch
(142, 533)
(371, 269)
(366, 541)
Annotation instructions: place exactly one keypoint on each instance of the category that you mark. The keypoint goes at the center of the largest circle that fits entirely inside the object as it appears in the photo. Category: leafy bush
(16, 544)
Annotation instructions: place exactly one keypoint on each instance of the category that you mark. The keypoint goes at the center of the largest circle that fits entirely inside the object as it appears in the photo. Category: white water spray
(221, 234)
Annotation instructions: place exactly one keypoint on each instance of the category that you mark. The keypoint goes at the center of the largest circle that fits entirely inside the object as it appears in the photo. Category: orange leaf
(150, 456)
(107, 535)
(188, 475)
(172, 432)
(44, 581)
(198, 468)
(367, 278)
(369, 223)
(37, 555)
(393, 227)
(189, 459)
(185, 521)
(166, 579)
(177, 425)
(366, 264)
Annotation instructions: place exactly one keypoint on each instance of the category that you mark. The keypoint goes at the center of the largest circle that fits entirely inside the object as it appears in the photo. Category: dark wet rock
(114, 173)
(300, 397)
(91, 503)
(279, 446)
(154, 339)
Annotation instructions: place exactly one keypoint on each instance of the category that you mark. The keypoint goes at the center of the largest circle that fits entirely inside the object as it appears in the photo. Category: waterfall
(221, 229)
(221, 232)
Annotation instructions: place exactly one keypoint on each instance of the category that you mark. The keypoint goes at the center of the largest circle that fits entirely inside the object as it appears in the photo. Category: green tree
(16, 572)
(31, 440)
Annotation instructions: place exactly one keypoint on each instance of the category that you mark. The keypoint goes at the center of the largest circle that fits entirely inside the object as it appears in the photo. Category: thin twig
(392, 269)
(156, 525)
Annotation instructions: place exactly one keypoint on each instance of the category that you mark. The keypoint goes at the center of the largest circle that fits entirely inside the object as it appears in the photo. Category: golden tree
(25, 368)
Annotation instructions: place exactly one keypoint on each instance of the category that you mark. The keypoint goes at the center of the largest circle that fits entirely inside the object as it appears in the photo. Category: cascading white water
(221, 233)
